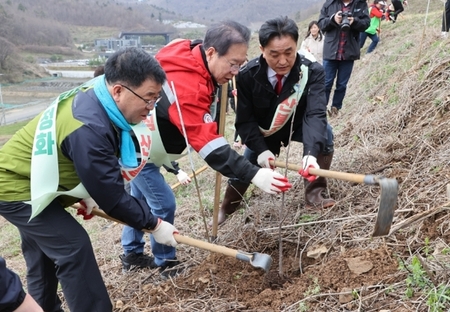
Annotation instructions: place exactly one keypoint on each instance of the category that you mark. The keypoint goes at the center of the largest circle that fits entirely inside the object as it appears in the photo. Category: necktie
(279, 84)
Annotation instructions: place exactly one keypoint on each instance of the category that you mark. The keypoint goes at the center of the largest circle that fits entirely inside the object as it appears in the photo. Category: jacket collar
(261, 74)
(203, 53)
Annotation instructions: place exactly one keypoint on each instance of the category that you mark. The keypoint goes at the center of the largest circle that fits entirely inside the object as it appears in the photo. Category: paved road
(72, 73)
(30, 109)
(25, 112)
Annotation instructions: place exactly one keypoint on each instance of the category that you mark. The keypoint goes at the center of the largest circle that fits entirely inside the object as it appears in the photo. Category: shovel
(258, 260)
(389, 192)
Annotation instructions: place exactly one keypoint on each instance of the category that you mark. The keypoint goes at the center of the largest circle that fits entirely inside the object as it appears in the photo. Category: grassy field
(11, 129)
(8, 130)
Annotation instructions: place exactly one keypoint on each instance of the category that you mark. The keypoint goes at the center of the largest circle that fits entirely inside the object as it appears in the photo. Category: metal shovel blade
(258, 260)
(388, 202)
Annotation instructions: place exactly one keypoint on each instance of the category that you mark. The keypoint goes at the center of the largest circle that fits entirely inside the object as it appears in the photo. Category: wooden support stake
(223, 107)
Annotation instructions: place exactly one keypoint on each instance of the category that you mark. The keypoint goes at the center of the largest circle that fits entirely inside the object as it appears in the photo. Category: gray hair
(223, 35)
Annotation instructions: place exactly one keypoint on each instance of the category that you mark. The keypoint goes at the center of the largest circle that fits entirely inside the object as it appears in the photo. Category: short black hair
(132, 66)
(224, 34)
(277, 27)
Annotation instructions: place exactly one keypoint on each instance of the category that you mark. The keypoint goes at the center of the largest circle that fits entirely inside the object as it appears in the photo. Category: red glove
(286, 185)
(271, 181)
(305, 173)
(308, 161)
(83, 212)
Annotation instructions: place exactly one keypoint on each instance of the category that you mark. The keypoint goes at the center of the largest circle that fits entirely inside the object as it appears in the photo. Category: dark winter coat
(88, 145)
(258, 102)
(332, 30)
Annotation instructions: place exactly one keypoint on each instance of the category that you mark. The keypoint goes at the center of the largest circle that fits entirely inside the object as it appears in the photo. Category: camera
(345, 25)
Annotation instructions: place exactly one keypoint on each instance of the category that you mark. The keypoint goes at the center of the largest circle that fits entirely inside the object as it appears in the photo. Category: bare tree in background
(6, 49)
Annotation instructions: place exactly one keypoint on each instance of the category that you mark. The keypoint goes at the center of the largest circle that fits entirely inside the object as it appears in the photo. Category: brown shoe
(231, 201)
(314, 190)
(335, 110)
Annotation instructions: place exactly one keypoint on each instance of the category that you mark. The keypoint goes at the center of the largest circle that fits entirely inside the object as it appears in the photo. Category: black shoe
(171, 269)
(134, 261)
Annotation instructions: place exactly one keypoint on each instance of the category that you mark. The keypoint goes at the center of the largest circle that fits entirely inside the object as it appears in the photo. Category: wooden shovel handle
(352, 177)
(205, 245)
(173, 187)
(179, 238)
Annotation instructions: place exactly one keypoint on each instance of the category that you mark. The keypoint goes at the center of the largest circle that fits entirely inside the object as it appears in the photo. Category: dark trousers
(398, 8)
(341, 70)
(362, 39)
(56, 249)
(446, 17)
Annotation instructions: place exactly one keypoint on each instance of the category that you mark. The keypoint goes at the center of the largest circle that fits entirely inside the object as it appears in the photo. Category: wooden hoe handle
(351, 177)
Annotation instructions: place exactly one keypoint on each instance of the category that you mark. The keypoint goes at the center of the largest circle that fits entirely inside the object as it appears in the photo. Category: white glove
(90, 204)
(308, 161)
(183, 177)
(264, 157)
(271, 181)
(163, 233)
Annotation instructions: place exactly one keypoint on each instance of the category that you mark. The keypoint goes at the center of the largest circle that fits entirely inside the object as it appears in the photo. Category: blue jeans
(362, 39)
(150, 185)
(341, 70)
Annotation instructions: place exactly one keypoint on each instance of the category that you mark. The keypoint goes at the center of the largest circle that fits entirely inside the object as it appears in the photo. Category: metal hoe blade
(389, 192)
(388, 202)
(258, 260)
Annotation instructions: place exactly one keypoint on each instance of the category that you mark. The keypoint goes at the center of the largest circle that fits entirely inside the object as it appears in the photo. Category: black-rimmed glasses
(234, 68)
(148, 102)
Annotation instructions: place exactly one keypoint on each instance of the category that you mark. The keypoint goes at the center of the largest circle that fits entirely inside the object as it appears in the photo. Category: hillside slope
(395, 123)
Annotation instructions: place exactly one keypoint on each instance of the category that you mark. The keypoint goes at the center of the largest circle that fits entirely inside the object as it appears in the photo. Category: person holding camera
(341, 21)
(376, 12)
